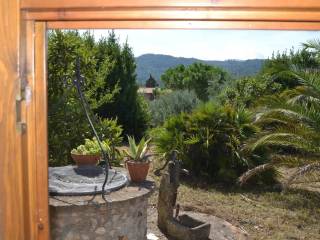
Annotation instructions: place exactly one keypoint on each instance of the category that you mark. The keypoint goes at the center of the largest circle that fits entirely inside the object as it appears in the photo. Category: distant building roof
(145, 90)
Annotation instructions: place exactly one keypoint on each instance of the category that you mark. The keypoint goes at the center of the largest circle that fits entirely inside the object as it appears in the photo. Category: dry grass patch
(263, 213)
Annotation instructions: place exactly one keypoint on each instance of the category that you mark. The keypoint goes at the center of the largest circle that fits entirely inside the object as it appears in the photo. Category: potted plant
(89, 153)
(138, 161)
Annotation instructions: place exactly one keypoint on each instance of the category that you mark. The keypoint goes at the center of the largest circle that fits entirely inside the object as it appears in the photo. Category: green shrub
(246, 91)
(91, 147)
(61, 146)
(171, 104)
(158, 92)
(110, 130)
(208, 140)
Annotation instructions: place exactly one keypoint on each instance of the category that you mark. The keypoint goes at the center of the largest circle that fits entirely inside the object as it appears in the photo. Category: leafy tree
(157, 64)
(247, 91)
(171, 104)
(127, 106)
(174, 78)
(151, 82)
(204, 79)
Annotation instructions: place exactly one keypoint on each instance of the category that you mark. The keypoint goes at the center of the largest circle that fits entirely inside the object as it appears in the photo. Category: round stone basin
(87, 180)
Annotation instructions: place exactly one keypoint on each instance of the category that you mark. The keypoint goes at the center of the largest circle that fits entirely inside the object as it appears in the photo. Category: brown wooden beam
(184, 25)
(41, 131)
(85, 4)
(28, 139)
(201, 14)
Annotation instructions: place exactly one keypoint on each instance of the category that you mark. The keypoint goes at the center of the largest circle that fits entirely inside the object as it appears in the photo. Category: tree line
(243, 129)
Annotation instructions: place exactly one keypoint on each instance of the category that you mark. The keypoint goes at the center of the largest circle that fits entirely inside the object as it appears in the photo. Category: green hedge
(208, 140)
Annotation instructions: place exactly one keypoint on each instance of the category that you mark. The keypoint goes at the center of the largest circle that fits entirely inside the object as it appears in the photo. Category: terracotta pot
(138, 171)
(85, 160)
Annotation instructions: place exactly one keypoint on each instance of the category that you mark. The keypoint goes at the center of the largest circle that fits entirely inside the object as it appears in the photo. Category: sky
(212, 44)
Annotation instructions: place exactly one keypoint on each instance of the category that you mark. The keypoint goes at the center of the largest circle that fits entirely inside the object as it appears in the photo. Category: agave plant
(290, 126)
(138, 152)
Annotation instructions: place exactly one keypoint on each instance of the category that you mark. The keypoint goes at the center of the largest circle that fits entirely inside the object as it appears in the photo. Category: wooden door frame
(24, 210)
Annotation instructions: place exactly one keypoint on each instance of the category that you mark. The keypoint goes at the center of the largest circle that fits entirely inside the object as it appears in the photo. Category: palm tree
(290, 127)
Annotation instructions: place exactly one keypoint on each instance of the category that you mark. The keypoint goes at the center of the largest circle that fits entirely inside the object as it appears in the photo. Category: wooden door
(12, 215)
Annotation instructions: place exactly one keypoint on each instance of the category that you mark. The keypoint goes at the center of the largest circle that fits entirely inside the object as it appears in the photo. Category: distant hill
(156, 64)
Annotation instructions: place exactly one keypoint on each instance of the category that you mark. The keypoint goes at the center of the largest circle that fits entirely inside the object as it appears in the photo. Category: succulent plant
(91, 147)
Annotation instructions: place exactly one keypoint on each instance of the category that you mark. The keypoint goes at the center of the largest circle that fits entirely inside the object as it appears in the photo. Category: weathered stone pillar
(168, 193)
(181, 227)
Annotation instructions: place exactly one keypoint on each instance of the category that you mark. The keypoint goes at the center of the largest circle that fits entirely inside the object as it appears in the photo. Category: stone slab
(130, 191)
(74, 181)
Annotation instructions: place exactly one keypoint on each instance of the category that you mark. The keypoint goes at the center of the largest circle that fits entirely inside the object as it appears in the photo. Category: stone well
(122, 216)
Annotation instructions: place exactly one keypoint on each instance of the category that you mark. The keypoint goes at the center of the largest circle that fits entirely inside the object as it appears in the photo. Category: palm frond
(312, 45)
(302, 171)
(290, 123)
(294, 160)
(304, 99)
(253, 172)
(279, 140)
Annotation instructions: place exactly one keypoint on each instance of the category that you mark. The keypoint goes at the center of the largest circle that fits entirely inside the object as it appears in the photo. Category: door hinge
(20, 97)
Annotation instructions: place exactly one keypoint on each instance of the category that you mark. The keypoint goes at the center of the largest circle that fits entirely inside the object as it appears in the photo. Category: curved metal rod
(77, 82)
